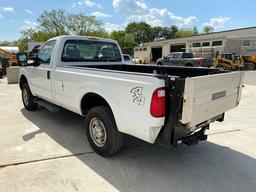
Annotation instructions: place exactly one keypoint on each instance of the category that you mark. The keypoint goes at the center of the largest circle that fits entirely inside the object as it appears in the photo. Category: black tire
(188, 65)
(113, 139)
(28, 102)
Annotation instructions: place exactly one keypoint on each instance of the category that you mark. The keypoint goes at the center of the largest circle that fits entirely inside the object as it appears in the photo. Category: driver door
(42, 78)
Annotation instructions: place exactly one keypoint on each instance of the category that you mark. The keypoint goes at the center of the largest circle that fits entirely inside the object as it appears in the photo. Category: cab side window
(45, 53)
(175, 56)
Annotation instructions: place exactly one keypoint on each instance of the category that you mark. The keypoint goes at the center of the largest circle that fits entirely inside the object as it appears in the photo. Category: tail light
(200, 63)
(157, 108)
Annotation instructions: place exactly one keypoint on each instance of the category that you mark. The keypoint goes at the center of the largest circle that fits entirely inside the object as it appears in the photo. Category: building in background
(241, 41)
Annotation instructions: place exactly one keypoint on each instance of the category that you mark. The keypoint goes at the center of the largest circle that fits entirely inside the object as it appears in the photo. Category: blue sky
(115, 14)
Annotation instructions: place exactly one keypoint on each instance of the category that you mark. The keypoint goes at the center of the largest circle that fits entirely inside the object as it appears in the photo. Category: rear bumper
(184, 134)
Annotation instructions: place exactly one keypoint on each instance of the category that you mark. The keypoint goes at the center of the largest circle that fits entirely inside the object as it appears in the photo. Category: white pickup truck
(158, 104)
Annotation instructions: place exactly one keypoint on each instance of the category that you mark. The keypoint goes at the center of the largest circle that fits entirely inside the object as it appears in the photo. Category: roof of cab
(77, 37)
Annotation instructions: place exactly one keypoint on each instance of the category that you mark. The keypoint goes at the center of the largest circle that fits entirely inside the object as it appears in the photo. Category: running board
(49, 106)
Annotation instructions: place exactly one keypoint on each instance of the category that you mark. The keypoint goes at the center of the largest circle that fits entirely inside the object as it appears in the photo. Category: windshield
(93, 51)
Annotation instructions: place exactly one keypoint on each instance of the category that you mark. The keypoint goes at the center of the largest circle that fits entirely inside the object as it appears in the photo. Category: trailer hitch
(195, 138)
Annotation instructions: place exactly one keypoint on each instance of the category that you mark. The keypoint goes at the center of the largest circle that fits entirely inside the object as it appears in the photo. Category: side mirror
(22, 59)
(33, 61)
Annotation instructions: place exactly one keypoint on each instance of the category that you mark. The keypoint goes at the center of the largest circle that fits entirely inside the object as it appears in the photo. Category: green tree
(26, 36)
(156, 33)
(208, 29)
(6, 43)
(195, 30)
(141, 32)
(186, 32)
(164, 32)
(81, 24)
(160, 33)
(58, 22)
(125, 40)
(102, 34)
(22, 44)
(41, 36)
(173, 31)
(53, 22)
(31, 34)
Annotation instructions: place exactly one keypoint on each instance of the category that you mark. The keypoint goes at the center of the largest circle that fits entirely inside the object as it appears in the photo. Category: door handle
(48, 75)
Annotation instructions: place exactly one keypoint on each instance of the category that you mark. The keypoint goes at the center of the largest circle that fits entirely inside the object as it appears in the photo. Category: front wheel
(28, 98)
(102, 131)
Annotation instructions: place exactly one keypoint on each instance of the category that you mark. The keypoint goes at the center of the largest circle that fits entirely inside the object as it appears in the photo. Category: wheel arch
(159, 63)
(90, 100)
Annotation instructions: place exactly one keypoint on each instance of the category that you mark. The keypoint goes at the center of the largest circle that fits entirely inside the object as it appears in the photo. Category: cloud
(139, 10)
(29, 11)
(162, 17)
(130, 7)
(109, 27)
(87, 3)
(8, 9)
(100, 14)
(1, 16)
(91, 4)
(217, 22)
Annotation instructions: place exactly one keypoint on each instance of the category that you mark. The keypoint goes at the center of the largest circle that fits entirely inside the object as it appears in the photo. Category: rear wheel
(188, 65)
(102, 131)
(28, 98)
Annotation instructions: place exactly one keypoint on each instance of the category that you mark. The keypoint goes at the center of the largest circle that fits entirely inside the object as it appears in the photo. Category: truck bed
(195, 96)
(181, 72)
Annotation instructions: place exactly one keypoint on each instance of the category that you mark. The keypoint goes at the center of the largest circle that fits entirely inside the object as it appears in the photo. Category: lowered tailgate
(208, 96)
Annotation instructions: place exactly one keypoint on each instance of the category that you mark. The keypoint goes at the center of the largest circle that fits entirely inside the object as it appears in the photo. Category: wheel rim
(25, 97)
(97, 132)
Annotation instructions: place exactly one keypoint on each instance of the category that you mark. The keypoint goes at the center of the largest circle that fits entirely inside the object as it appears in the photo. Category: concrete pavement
(42, 151)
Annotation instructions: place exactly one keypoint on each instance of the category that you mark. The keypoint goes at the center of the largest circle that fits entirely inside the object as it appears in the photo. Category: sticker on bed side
(137, 93)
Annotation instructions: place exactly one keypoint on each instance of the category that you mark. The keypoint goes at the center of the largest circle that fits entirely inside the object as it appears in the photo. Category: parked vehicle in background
(158, 104)
(127, 59)
(184, 59)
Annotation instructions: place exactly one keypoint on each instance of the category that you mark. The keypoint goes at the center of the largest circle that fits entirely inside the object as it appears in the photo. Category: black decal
(137, 96)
